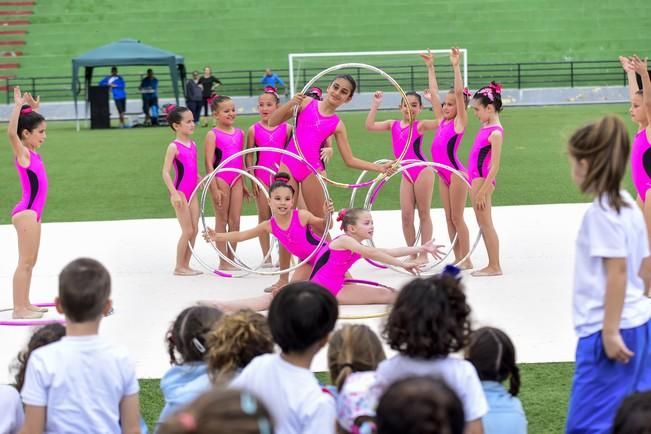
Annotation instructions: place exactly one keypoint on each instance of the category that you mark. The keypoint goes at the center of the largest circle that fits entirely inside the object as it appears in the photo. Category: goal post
(404, 66)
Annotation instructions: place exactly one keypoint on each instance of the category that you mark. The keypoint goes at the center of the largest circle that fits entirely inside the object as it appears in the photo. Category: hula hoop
(403, 96)
(370, 315)
(417, 163)
(31, 322)
(207, 181)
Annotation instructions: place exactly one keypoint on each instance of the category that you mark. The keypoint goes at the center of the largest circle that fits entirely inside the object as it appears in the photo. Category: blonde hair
(234, 341)
(353, 348)
(605, 147)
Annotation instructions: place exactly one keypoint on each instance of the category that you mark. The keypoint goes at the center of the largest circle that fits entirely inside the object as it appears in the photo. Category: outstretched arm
(371, 124)
(262, 228)
(376, 254)
(20, 152)
(428, 247)
(341, 137)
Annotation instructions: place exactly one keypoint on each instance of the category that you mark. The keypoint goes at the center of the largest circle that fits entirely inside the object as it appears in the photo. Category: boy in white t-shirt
(301, 318)
(81, 383)
(610, 309)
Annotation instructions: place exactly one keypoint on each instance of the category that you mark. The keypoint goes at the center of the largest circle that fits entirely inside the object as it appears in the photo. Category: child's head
(420, 406)
(430, 318)
(415, 105)
(341, 89)
(353, 348)
(41, 337)
(487, 101)
(599, 158)
(281, 193)
(268, 102)
(301, 317)
(220, 411)
(493, 355)
(84, 291)
(449, 105)
(356, 403)
(637, 110)
(634, 415)
(356, 222)
(31, 127)
(186, 337)
(234, 341)
(223, 109)
(181, 120)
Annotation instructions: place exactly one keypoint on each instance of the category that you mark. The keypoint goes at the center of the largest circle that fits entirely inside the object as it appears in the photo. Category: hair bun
(341, 214)
(497, 88)
(26, 110)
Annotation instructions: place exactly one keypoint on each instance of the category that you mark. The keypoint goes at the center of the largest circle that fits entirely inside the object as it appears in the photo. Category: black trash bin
(100, 114)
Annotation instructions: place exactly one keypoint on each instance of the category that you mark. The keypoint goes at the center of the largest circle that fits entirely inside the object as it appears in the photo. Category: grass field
(544, 394)
(253, 35)
(116, 174)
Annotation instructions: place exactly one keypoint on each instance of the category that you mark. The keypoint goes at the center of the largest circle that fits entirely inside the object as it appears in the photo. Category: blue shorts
(600, 384)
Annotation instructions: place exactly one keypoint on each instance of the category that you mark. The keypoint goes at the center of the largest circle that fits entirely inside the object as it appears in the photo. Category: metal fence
(247, 82)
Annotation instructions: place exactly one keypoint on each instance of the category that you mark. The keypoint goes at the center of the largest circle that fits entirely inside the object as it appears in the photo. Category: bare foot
(225, 266)
(37, 308)
(279, 284)
(26, 314)
(488, 271)
(465, 265)
(186, 272)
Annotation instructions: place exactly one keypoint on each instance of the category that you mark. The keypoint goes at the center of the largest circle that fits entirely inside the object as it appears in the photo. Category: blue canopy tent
(126, 52)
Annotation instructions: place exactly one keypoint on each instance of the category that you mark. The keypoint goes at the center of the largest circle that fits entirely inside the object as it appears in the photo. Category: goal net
(406, 67)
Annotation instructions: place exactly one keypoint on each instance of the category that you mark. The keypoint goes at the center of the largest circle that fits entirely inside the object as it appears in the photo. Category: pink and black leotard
(641, 163)
(33, 181)
(186, 172)
(444, 149)
(479, 160)
(331, 267)
(312, 128)
(264, 138)
(399, 137)
(298, 239)
(227, 144)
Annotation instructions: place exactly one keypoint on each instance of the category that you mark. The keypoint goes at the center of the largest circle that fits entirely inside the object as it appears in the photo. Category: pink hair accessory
(487, 91)
(272, 90)
(187, 421)
(497, 88)
(341, 214)
(466, 92)
(26, 110)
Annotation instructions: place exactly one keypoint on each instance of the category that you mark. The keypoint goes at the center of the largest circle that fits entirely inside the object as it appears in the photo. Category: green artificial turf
(253, 35)
(116, 174)
(544, 394)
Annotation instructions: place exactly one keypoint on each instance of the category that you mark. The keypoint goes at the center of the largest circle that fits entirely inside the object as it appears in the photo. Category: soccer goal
(406, 67)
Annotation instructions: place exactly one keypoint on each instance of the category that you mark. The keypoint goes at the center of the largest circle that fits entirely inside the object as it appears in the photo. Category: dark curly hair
(186, 337)
(41, 337)
(634, 415)
(420, 405)
(430, 318)
(493, 355)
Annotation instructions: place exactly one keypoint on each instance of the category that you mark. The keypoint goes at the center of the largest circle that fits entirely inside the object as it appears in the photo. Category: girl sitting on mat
(335, 260)
(182, 152)
(26, 131)
(227, 189)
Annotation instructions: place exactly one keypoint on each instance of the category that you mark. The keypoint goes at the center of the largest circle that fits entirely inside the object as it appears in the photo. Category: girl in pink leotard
(418, 182)
(333, 262)
(293, 228)
(181, 155)
(26, 131)
(317, 120)
(261, 136)
(452, 119)
(641, 150)
(227, 189)
(483, 165)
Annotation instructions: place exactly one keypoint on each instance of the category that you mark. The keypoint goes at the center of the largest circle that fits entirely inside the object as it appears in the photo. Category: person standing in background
(207, 81)
(117, 85)
(271, 79)
(193, 96)
(149, 90)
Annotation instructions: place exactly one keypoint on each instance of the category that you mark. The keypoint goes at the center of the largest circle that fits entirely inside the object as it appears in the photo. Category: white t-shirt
(606, 234)
(457, 373)
(12, 418)
(81, 380)
(291, 394)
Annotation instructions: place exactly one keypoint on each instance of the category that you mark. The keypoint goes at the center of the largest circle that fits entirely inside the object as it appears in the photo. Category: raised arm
(642, 67)
(261, 229)
(461, 120)
(20, 152)
(371, 124)
(341, 137)
(433, 85)
(285, 111)
(633, 88)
